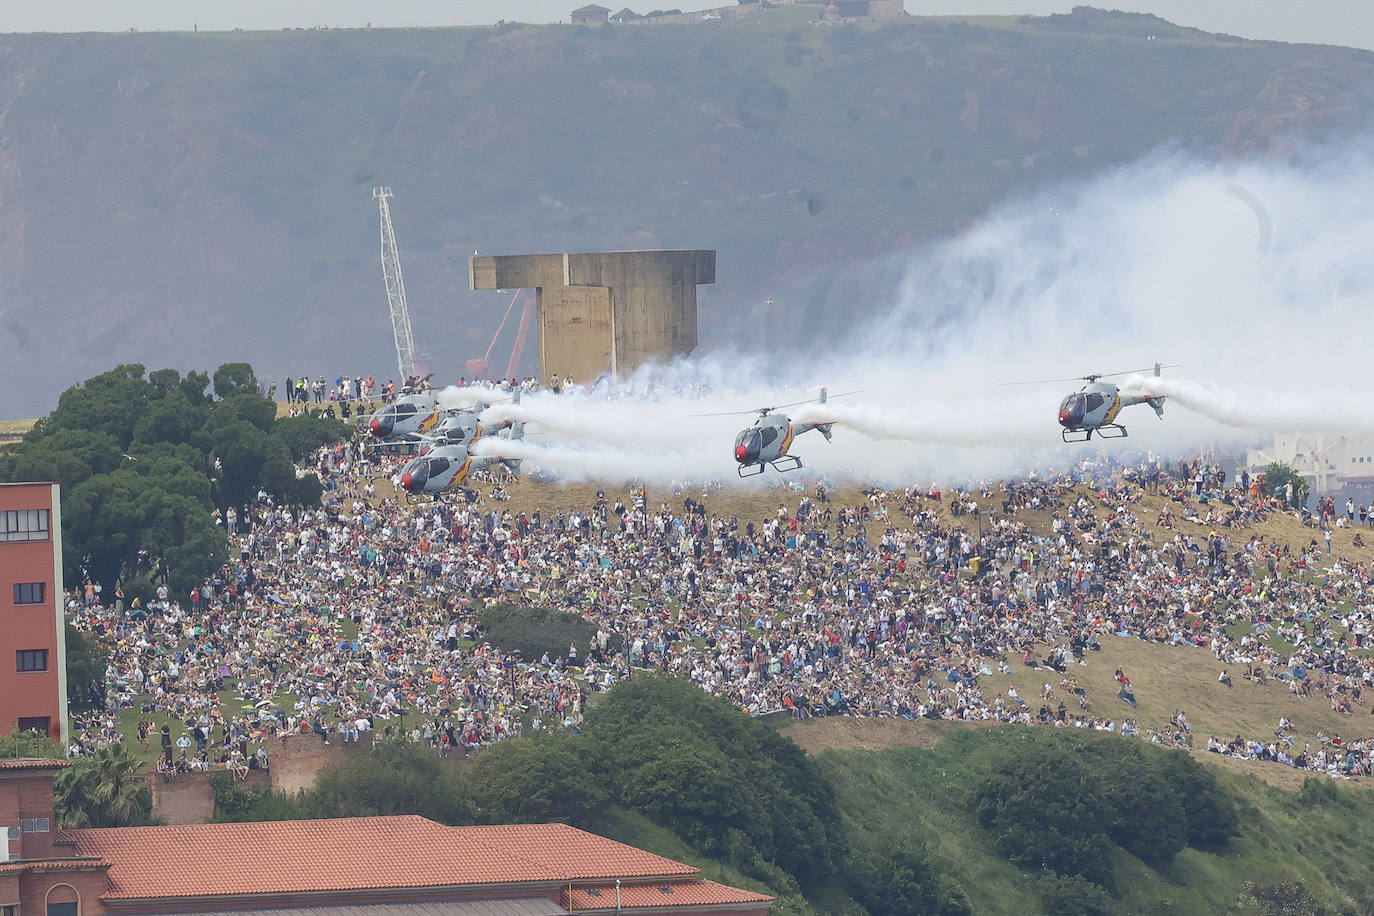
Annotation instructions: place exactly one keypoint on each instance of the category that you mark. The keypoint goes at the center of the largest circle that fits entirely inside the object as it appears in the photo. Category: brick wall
(191, 799)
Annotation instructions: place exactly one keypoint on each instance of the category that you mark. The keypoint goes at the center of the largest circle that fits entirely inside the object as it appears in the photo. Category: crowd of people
(362, 615)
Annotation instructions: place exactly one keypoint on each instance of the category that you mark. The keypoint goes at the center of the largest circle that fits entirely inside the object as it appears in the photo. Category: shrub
(1073, 895)
(533, 631)
(1046, 811)
(903, 880)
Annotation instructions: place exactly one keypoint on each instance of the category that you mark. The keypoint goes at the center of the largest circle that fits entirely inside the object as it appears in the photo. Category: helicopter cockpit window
(405, 409)
(769, 435)
(1094, 401)
(437, 466)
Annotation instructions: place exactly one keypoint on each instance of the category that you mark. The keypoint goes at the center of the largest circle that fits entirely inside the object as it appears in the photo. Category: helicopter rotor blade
(733, 413)
(1091, 377)
(843, 394)
(1042, 381)
(768, 410)
(1137, 371)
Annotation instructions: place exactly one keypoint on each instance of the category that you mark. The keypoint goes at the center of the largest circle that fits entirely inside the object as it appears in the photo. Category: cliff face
(185, 200)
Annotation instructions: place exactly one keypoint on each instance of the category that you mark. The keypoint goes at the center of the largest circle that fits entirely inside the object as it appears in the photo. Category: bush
(306, 432)
(728, 783)
(1073, 895)
(1320, 792)
(233, 803)
(1210, 813)
(902, 880)
(1146, 814)
(1053, 810)
(534, 631)
(1046, 811)
(1280, 897)
(536, 780)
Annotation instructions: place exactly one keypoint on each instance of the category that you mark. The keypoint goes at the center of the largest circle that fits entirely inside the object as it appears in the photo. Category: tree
(85, 664)
(1046, 811)
(901, 880)
(144, 461)
(1278, 475)
(671, 750)
(393, 779)
(233, 379)
(104, 789)
(535, 780)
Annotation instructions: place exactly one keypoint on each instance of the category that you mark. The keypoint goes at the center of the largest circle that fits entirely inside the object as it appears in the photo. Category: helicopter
(1093, 408)
(767, 440)
(445, 467)
(405, 419)
(461, 427)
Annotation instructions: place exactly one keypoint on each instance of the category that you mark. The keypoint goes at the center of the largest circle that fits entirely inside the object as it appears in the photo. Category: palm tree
(105, 789)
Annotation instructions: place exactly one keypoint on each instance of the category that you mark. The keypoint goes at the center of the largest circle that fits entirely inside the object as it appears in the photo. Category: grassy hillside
(1319, 838)
(197, 198)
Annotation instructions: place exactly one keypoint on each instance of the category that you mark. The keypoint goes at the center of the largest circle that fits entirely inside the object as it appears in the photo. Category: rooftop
(33, 763)
(677, 893)
(212, 860)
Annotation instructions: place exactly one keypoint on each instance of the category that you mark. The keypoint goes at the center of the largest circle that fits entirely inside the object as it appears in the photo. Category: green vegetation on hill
(533, 631)
(146, 460)
(212, 189)
(990, 820)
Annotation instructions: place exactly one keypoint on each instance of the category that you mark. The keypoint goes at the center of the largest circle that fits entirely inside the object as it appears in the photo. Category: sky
(1343, 22)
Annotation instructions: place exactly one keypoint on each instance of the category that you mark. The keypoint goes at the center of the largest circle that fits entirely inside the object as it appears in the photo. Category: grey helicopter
(1094, 407)
(445, 467)
(405, 419)
(767, 441)
(462, 427)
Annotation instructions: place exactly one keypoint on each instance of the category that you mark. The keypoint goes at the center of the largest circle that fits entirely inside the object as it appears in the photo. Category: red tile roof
(675, 893)
(30, 865)
(33, 763)
(353, 854)
(576, 854)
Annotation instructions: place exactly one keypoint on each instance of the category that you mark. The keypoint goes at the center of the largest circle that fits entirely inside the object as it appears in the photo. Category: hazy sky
(1345, 22)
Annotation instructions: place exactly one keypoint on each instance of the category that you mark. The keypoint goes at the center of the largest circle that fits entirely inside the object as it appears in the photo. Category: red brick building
(364, 866)
(33, 644)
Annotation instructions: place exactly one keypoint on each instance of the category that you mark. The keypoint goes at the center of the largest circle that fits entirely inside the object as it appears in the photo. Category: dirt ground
(843, 733)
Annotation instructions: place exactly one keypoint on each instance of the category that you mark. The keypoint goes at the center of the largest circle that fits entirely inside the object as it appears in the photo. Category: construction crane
(395, 289)
(481, 367)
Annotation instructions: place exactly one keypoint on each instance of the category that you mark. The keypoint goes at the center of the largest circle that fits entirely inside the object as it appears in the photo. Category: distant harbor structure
(608, 311)
(1331, 464)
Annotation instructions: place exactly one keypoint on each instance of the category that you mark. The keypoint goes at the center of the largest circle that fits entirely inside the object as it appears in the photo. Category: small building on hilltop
(590, 15)
(868, 9)
(624, 16)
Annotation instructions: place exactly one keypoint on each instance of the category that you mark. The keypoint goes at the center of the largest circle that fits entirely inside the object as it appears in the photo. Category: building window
(34, 825)
(62, 909)
(24, 525)
(40, 724)
(10, 910)
(30, 592)
(31, 660)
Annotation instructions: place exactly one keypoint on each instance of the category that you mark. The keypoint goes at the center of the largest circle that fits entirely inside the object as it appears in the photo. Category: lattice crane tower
(395, 289)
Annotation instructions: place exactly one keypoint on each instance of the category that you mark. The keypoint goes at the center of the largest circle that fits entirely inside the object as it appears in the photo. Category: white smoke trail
(1285, 411)
(1263, 293)
(471, 396)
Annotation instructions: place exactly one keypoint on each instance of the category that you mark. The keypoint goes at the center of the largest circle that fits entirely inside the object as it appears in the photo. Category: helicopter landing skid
(1071, 435)
(785, 463)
